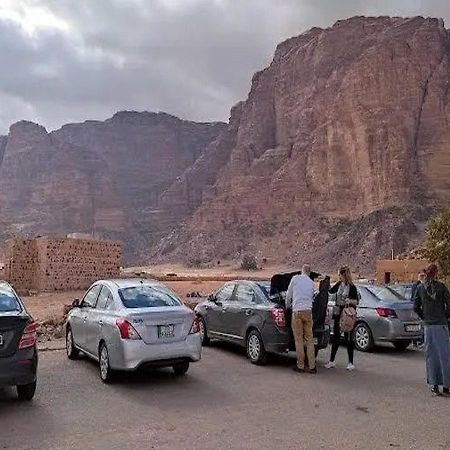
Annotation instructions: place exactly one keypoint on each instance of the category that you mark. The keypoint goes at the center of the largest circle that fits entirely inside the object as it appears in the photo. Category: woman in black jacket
(346, 295)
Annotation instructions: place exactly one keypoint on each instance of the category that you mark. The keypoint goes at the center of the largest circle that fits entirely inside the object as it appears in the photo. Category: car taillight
(278, 317)
(195, 326)
(386, 312)
(29, 336)
(127, 330)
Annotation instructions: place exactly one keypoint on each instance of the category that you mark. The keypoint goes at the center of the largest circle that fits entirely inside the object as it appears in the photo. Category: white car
(130, 324)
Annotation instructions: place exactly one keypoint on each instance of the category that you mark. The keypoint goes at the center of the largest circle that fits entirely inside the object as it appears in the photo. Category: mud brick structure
(57, 264)
(399, 270)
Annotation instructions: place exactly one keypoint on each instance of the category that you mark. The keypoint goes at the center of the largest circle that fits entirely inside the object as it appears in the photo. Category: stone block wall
(58, 264)
(20, 264)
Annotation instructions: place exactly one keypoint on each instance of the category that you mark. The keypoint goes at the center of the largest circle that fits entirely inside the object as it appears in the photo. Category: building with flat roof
(47, 264)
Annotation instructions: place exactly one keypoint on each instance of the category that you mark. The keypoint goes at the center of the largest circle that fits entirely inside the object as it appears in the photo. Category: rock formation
(97, 177)
(338, 155)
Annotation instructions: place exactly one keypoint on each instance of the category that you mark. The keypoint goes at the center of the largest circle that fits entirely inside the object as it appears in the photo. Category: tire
(401, 345)
(203, 332)
(181, 368)
(105, 371)
(363, 338)
(71, 351)
(256, 352)
(26, 392)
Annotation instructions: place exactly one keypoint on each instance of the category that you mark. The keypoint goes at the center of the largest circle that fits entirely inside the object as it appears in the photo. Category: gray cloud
(192, 58)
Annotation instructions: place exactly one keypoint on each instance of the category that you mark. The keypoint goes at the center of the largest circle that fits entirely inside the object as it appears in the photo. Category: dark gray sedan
(243, 312)
(384, 316)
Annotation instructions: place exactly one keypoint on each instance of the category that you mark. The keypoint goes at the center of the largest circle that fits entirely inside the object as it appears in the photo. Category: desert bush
(249, 262)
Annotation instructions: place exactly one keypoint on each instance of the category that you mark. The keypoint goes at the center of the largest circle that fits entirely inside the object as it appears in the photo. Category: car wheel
(106, 373)
(26, 392)
(256, 352)
(362, 337)
(71, 350)
(203, 332)
(181, 368)
(401, 345)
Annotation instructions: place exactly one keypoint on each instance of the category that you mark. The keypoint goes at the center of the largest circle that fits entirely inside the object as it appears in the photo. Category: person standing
(346, 296)
(300, 295)
(432, 305)
(418, 343)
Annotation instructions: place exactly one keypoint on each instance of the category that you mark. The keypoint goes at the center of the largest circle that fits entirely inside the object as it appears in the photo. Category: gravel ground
(226, 403)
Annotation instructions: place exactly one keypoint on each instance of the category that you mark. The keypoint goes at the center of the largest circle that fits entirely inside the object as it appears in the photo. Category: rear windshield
(147, 297)
(384, 294)
(8, 301)
(265, 287)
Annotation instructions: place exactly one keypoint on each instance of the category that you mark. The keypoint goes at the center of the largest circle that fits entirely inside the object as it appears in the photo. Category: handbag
(348, 319)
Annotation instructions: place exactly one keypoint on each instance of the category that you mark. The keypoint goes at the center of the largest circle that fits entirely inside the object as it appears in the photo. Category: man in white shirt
(299, 296)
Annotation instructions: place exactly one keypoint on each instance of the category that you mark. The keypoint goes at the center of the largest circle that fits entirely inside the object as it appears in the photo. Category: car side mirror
(76, 303)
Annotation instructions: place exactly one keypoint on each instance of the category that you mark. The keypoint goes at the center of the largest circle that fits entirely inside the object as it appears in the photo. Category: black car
(18, 348)
(252, 314)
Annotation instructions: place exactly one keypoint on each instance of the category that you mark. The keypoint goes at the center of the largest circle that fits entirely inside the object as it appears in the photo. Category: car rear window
(147, 297)
(8, 301)
(265, 287)
(384, 294)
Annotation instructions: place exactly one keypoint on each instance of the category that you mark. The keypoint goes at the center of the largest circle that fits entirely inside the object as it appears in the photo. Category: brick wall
(58, 264)
(20, 264)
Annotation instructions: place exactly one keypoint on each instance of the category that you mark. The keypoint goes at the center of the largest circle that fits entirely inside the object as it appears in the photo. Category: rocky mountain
(339, 153)
(98, 177)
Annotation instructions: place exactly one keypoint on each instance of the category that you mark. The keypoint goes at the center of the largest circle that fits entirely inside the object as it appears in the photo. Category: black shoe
(298, 370)
(446, 392)
(313, 370)
(435, 391)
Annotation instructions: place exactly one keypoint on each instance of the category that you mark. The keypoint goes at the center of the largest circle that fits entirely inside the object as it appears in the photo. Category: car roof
(123, 283)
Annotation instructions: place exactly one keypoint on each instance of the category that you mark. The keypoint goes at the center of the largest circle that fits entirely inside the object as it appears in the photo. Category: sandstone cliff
(97, 177)
(339, 153)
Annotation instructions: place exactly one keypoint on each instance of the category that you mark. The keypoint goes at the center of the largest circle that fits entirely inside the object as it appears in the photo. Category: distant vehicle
(245, 313)
(18, 348)
(404, 289)
(130, 324)
(383, 315)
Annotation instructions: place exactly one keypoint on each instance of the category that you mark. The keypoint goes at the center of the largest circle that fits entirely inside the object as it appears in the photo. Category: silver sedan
(383, 316)
(130, 324)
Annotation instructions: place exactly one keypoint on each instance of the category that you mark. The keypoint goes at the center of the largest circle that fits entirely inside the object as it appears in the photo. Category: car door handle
(248, 312)
(100, 322)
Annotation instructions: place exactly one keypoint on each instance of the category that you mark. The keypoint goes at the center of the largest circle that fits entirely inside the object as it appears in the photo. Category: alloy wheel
(362, 337)
(69, 343)
(104, 363)
(254, 347)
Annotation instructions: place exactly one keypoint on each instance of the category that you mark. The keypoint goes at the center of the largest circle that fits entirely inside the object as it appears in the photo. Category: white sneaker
(350, 367)
(330, 365)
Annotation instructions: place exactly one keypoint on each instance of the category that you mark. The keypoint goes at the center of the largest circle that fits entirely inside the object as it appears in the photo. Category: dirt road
(226, 403)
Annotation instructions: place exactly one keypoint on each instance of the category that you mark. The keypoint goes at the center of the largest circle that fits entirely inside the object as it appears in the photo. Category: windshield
(147, 297)
(8, 301)
(385, 294)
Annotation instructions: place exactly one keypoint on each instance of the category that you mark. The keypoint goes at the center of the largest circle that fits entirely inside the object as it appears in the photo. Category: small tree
(437, 243)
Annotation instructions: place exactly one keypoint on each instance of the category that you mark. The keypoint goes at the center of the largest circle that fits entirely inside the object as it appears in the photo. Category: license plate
(1, 340)
(165, 331)
(412, 328)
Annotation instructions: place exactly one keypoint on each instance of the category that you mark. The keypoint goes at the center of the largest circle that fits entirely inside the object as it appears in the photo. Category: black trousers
(337, 341)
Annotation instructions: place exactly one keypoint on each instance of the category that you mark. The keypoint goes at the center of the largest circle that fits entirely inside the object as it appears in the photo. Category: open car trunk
(279, 285)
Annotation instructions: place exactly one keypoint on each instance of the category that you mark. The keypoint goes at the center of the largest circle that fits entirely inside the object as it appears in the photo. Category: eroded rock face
(97, 177)
(340, 148)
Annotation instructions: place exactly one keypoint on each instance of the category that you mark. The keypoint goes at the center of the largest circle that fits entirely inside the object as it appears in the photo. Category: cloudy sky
(71, 60)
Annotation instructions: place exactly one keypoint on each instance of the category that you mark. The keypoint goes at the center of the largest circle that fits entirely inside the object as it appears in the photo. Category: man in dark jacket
(432, 304)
